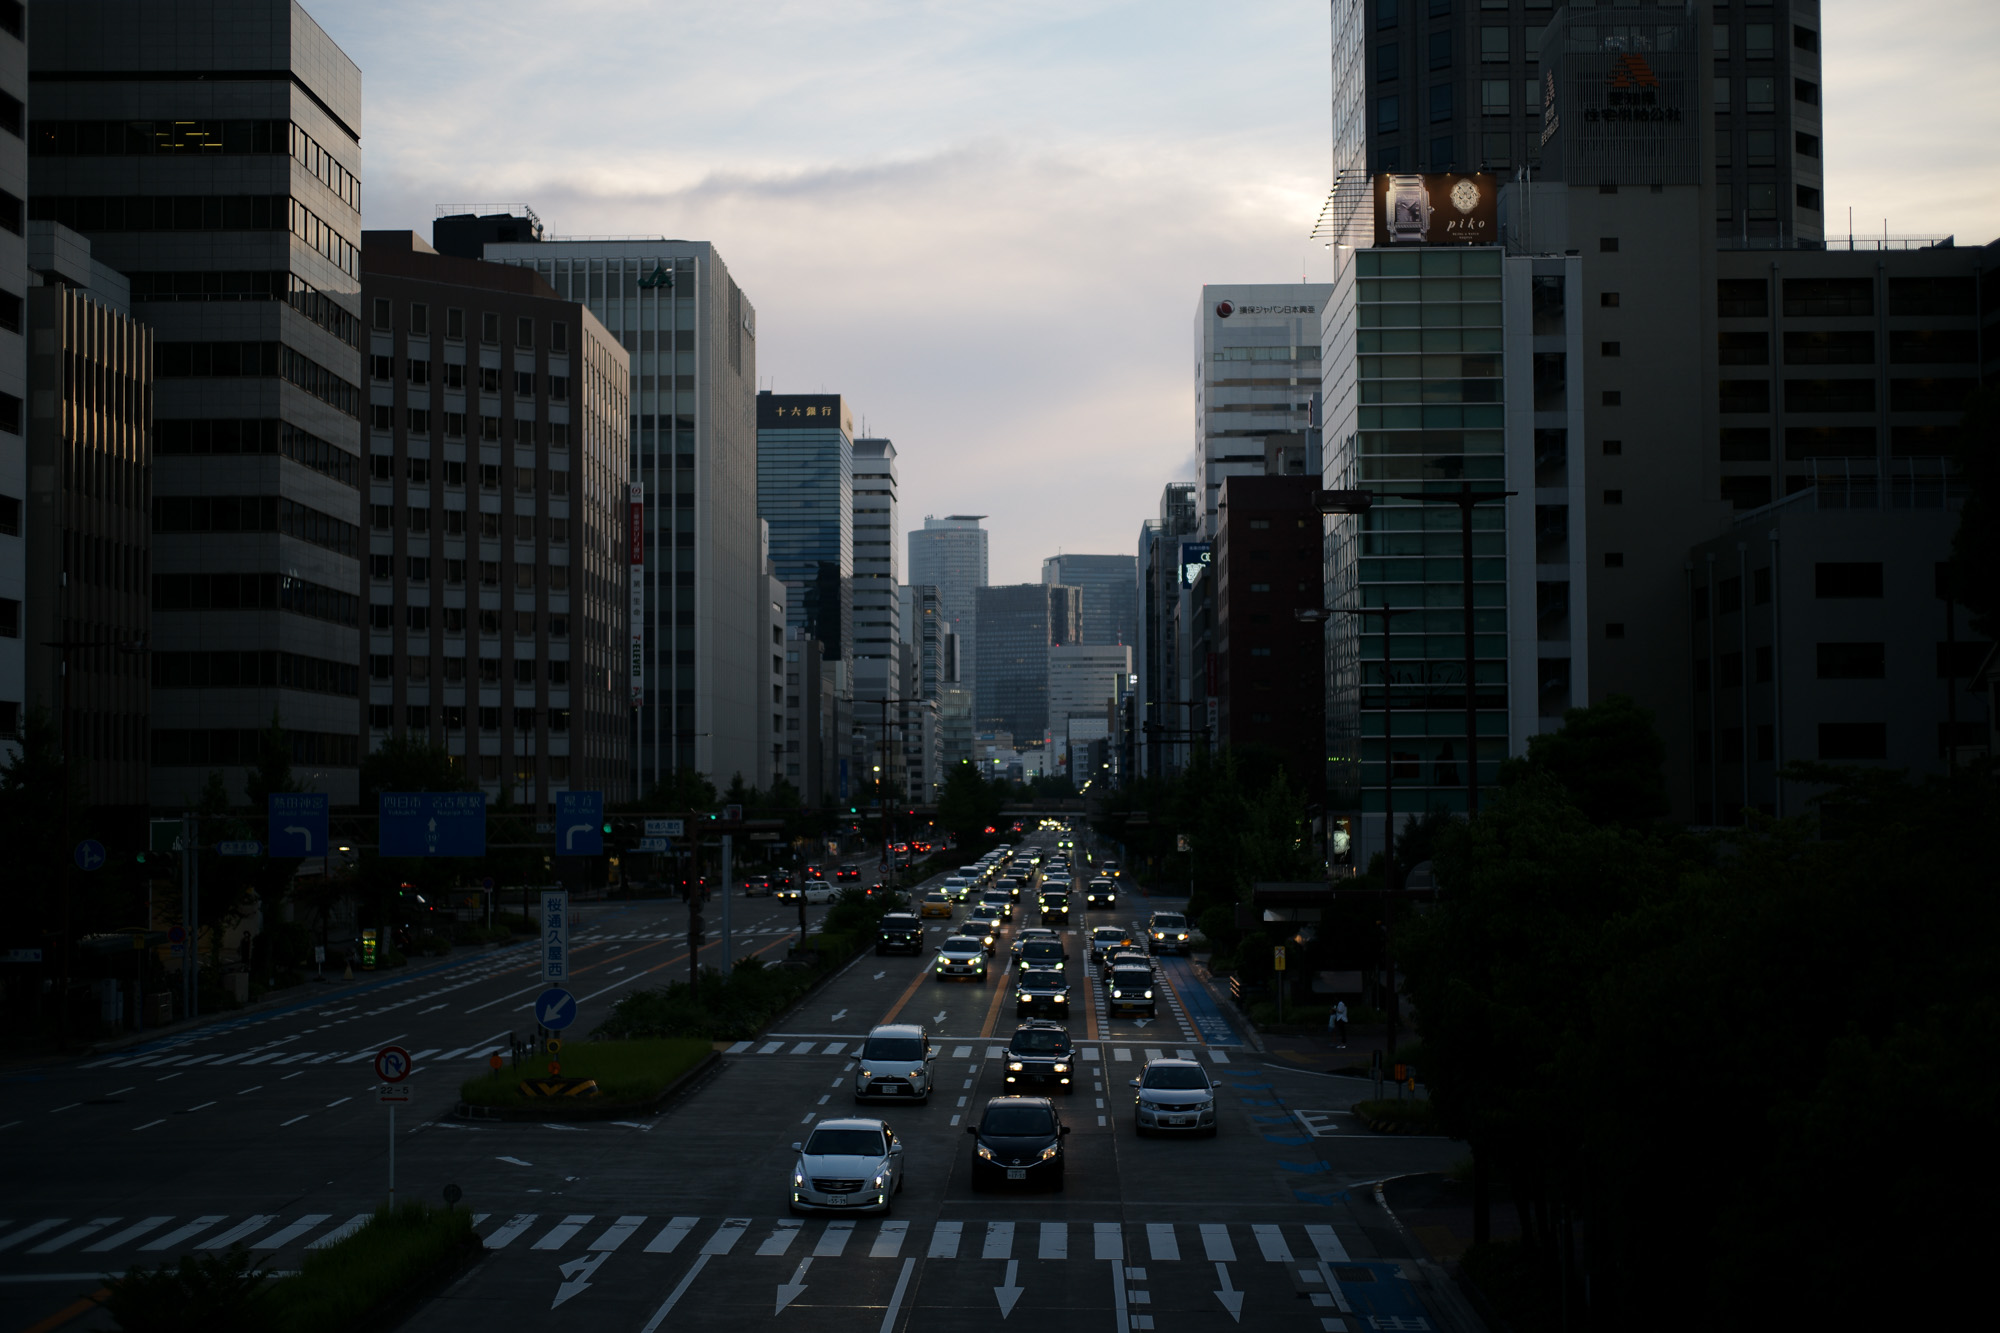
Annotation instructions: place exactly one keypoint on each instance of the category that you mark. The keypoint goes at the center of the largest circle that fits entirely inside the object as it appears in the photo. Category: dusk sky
(987, 224)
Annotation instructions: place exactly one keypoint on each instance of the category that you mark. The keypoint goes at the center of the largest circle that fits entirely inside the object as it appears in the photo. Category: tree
(1609, 759)
(408, 763)
(682, 789)
(271, 775)
(1975, 546)
(968, 803)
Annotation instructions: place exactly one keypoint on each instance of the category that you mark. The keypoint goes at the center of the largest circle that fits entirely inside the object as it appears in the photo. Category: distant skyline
(986, 226)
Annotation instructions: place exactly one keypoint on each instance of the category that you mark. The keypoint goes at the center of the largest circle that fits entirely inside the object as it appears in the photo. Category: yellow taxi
(936, 903)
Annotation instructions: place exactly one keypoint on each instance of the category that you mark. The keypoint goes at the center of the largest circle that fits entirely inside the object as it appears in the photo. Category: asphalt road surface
(265, 1130)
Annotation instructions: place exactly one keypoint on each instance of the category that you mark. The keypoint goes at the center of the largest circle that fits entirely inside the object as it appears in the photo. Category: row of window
(253, 435)
(1849, 347)
(222, 360)
(417, 570)
(417, 717)
(382, 369)
(221, 670)
(268, 592)
(1931, 394)
(254, 513)
(1760, 147)
(251, 285)
(216, 747)
(419, 325)
(1752, 444)
(93, 213)
(452, 671)
(194, 138)
(489, 621)
(452, 472)
(1750, 298)
(382, 518)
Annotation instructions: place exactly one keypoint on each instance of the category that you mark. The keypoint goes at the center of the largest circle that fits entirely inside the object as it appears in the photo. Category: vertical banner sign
(555, 936)
(638, 571)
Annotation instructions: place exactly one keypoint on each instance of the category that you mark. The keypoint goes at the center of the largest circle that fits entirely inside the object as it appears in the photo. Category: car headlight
(1062, 999)
(1015, 1065)
(1021, 996)
(868, 1073)
(1149, 995)
(798, 1179)
(1062, 1069)
(881, 1179)
(917, 1072)
(1182, 937)
(1048, 1152)
(985, 1152)
(1117, 994)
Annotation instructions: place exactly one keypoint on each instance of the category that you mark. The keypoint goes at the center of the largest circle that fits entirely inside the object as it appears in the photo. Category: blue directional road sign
(89, 854)
(579, 823)
(298, 823)
(555, 1009)
(433, 823)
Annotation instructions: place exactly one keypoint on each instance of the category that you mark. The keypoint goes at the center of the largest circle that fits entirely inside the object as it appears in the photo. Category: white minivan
(895, 1064)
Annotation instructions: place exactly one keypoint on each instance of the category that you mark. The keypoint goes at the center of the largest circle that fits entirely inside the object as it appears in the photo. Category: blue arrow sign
(298, 823)
(579, 823)
(433, 823)
(89, 854)
(555, 1008)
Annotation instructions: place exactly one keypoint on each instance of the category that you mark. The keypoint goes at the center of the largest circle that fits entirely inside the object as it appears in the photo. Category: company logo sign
(1439, 209)
(1224, 309)
(1632, 95)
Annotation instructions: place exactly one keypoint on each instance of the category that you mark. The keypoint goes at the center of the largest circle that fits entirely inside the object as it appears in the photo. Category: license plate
(1180, 1120)
(839, 1200)
(1017, 1173)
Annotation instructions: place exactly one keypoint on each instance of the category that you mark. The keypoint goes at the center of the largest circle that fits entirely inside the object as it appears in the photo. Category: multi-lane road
(264, 1129)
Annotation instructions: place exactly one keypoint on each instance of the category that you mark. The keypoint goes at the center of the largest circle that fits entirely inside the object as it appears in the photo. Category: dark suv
(1018, 1139)
(900, 933)
(1055, 909)
(1040, 1052)
(1042, 990)
(1131, 988)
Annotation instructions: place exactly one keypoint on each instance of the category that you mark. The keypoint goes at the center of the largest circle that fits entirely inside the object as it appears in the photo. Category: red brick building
(1267, 664)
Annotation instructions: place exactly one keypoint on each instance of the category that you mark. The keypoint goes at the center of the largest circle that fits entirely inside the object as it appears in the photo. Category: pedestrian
(1339, 1024)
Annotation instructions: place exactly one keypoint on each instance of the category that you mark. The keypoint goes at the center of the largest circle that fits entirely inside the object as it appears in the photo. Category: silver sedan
(849, 1166)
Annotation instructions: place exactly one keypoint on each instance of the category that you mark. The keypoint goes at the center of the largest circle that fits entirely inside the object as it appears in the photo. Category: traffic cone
(349, 974)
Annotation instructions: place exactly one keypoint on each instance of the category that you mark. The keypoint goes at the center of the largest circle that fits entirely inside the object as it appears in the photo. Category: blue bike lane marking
(1197, 1003)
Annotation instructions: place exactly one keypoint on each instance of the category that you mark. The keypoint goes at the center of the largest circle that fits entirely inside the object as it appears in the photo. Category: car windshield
(1176, 1078)
(1041, 949)
(1169, 921)
(1017, 1121)
(893, 1048)
(934, 897)
(1040, 1042)
(845, 1143)
(1131, 976)
(1110, 935)
(1041, 981)
(962, 944)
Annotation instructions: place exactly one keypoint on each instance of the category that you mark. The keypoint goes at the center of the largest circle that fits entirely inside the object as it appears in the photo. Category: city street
(265, 1130)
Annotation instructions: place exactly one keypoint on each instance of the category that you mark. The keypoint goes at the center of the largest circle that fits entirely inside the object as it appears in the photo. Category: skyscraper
(13, 385)
(950, 554)
(805, 491)
(691, 334)
(211, 151)
(878, 645)
(1155, 662)
(1019, 624)
(1255, 380)
(1110, 587)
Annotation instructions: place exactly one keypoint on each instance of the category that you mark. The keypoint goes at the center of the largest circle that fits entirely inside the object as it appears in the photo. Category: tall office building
(13, 380)
(89, 524)
(1086, 681)
(1269, 686)
(878, 642)
(1156, 661)
(211, 151)
(1256, 378)
(950, 555)
(691, 335)
(927, 638)
(1110, 587)
(498, 608)
(1019, 623)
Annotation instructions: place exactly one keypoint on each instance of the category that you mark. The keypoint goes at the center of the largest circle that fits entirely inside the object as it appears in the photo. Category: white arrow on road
(879, 975)
(1231, 1298)
(838, 1016)
(576, 1274)
(791, 1291)
(1009, 1292)
(938, 1017)
(1140, 1022)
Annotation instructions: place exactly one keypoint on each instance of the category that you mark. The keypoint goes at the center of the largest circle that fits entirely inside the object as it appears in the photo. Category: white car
(895, 1064)
(818, 891)
(847, 1166)
(1174, 1095)
(961, 956)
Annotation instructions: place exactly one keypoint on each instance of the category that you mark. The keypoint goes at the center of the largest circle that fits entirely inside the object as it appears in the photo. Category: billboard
(1448, 208)
(1195, 557)
(1619, 99)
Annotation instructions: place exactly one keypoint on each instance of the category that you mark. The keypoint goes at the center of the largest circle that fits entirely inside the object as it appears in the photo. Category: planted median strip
(628, 1074)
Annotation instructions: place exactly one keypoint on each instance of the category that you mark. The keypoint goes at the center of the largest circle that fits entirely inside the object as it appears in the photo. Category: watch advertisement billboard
(1447, 208)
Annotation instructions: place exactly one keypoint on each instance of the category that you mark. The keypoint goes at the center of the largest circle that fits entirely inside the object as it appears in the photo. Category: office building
(927, 638)
(466, 232)
(88, 527)
(878, 641)
(1269, 681)
(771, 720)
(1110, 587)
(1086, 682)
(1018, 624)
(920, 738)
(812, 745)
(13, 384)
(950, 555)
(805, 491)
(955, 710)
(1257, 373)
(1155, 660)
(691, 335)
(210, 150)
(498, 605)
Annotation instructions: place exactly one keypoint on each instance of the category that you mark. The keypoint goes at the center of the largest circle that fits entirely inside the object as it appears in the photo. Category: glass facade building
(1110, 587)
(1019, 624)
(1415, 404)
(950, 554)
(805, 491)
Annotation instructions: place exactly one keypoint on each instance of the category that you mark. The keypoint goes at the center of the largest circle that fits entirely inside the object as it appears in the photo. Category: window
(524, 481)
(559, 392)
(1853, 740)
(1608, 300)
(1761, 201)
(420, 569)
(1440, 111)
(1386, 15)
(1496, 150)
(1388, 115)
(1760, 148)
(489, 329)
(381, 367)
(1851, 661)
(1720, 94)
(489, 379)
(1805, 145)
(1758, 41)
(559, 337)
(1746, 444)
(454, 374)
(419, 372)
(1806, 197)
(1440, 50)
(454, 475)
(420, 318)
(1614, 560)
(454, 324)
(1723, 149)
(524, 671)
(1608, 349)
(1614, 497)
(1614, 448)
(1830, 347)
(524, 332)
(382, 517)
(1743, 349)
(1388, 62)
(1495, 97)
(1760, 94)
(1805, 90)
(10, 516)
(1614, 629)
(1607, 245)
(1805, 39)
(381, 616)
(489, 576)
(524, 386)
(1743, 298)
(382, 312)
(489, 429)
(381, 416)
(420, 420)
(381, 566)
(1493, 48)
(1719, 40)
(1744, 395)
(1613, 398)
(1746, 492)
(489, 718)
(1847, 579)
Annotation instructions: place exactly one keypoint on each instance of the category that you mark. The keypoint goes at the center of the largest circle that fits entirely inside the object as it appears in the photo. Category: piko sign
(1443, 209)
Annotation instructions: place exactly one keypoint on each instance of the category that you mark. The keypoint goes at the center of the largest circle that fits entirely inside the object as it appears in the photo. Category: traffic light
(607, 827)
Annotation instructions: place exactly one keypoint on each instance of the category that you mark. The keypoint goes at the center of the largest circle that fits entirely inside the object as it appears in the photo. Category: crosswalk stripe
(228, 1059)
(944, 1240)
(248, 1227)
(1091, 1053)
(804, 1048)
(1215, 1243)
(1054, 1241)
(31, 1231)
(562, 1232)
(507, 1234)
(781, 1237)
(725, 1237)
(671, 1235)
(833, 1240)
(98, 1064)
(1271, 1241)
(1325, 1243)
(359, 1055)
(1220, 1057)
(618, 1233)
(1121, 1053)
(129, 1234)
(999, 1241)
(961, 1052)
(341, 1232)
(995, 1052)
(1109, 1240)
(280, 1239)
(1155, 1053)
(889, 1241)
(738, 1048)
(1160, 1241)
(1184, 1054)
(260, 1059)
(834, 1048)
(768, 1047)
(72, 1236)
(181, 1235)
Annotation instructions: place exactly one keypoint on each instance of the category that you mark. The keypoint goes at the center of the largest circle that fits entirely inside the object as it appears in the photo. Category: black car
(1055, 909)
(1041, 990)
(1040, 1052)
(1131, 988)
(1018, 1140)
(847, 870)
(1042, 953)
(900, 933)
(1100, 893)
